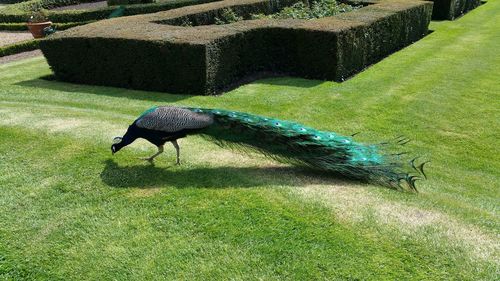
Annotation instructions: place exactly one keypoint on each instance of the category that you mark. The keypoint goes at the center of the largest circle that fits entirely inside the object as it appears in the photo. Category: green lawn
(71, 211)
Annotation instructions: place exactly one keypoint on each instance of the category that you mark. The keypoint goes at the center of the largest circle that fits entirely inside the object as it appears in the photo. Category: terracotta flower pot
(36, 28)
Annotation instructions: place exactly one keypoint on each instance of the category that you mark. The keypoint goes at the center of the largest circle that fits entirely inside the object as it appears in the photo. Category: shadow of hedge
(48, 82)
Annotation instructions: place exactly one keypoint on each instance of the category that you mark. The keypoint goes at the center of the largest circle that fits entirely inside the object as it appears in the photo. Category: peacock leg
(150, 159)
(177, 149)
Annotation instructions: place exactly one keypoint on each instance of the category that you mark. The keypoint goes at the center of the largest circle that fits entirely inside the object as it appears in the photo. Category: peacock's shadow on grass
(151, 176)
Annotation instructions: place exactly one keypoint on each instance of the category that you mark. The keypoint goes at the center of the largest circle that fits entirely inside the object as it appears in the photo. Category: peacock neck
(129, 137)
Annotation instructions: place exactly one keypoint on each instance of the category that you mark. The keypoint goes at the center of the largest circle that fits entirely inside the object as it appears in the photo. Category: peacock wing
(173, 119)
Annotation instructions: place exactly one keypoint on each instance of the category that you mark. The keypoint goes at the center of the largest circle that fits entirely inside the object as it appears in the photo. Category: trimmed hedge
(23, 46)
(11, 1)
(21, 12)
(17, 26)
(450, 9)
(129, 2)
(143, 52)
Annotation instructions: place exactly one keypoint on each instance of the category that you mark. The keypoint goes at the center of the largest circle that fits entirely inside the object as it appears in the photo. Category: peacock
(281, 140)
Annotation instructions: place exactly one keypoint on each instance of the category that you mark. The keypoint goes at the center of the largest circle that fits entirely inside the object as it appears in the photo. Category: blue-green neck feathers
(147, 112)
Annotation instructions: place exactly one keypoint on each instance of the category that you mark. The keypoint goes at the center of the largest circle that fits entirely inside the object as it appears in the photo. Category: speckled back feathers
(173, 119)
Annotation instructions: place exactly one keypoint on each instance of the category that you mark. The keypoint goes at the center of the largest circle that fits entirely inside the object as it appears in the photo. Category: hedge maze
(153, 52)
(20, 12)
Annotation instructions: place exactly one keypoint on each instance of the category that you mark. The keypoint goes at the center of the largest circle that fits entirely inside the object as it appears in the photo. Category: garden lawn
(71, 211)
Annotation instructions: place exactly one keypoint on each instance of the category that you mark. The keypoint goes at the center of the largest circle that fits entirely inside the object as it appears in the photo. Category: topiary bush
(156, 52)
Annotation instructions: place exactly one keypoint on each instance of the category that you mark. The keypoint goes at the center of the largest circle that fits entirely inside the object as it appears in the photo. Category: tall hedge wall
(142, 53)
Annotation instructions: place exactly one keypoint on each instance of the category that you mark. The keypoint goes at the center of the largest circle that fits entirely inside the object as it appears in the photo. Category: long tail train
(301, 145)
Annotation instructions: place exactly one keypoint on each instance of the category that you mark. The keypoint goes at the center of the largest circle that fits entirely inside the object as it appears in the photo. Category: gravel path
(20, 56)
(10, 37)
(83, 6)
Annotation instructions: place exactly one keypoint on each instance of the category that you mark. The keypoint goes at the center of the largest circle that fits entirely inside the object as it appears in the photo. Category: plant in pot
(37, 22)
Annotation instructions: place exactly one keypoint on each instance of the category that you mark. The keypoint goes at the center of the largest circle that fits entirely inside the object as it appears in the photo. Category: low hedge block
(142, 53)
(141, 67)
(23, 27)
(19, 47)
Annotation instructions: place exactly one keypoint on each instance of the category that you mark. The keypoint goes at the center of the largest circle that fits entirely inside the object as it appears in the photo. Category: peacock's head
(116, 145)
